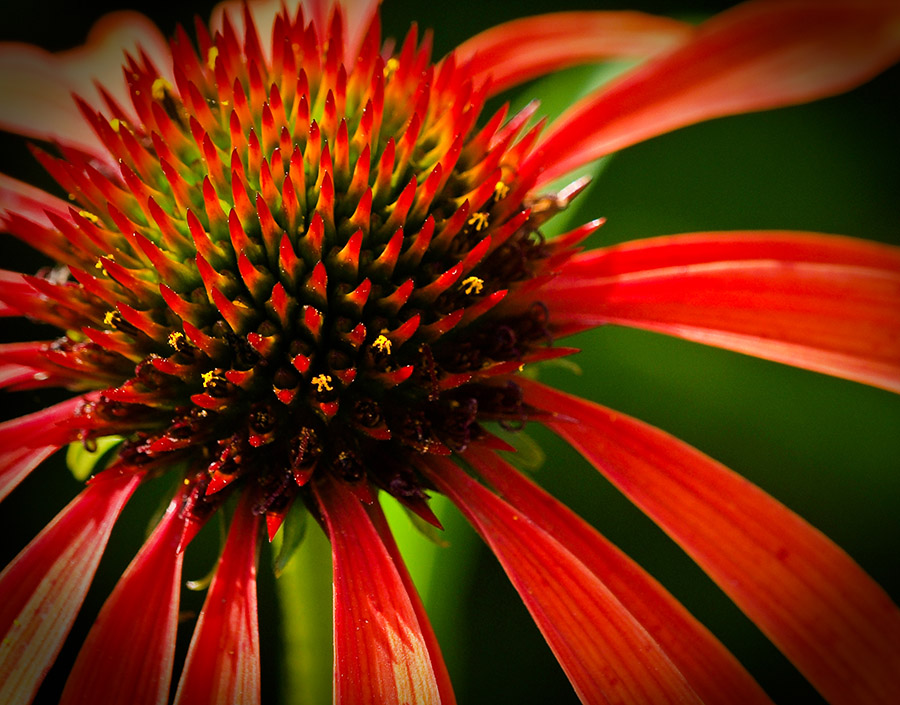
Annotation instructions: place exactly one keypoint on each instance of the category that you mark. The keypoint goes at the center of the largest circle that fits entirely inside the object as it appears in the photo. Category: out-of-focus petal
(37, 86)
(128, 654)
(380, 654)
(441, 675)
(522, 49)
(759, 55)
(709, 668)
(812, 600)
(607, 655)
(27, 441)
(28, 201)
(222, 664)
(44, 586)
(824, 303)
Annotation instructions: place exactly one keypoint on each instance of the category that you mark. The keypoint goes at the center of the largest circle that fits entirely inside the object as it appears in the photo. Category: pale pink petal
(27, 441)
(43, 588)
(28, 201)
(380, 653)
(823, 303)
(129, 652)
(222, 665)
(759, 55)
(607, 655)
(709, 668)
(37, 86)
(810, 598)
(517, 51)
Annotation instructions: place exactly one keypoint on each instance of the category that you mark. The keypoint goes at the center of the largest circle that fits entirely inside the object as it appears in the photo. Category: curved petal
(441, 675)
(823, 303)
(517, 51)
(222, 664)
(709, 668)
(44, 586)
(27, 441)
(380, 653)
(128, 654)
(809, 597)
(606, 654)
(759, 55)
(37, 86)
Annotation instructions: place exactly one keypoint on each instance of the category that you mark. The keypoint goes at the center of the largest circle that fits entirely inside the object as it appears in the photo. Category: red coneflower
(299, 269)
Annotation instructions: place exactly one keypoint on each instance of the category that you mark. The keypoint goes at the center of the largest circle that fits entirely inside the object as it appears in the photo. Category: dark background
(827, 448)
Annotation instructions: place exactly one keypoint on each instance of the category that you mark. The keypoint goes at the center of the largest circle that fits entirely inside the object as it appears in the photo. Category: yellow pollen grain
(90, 216)
(479, 220)
(176, 339)
(110, 318)
(472, 285)
(391, 66)
(501, 190)
(211, 58)
(323, 383)
(115, 124)
(159, 88)
(99, 265)
(212, 377)
(383, 344)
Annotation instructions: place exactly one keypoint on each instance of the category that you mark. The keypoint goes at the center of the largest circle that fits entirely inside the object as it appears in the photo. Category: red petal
(711, 671)
(380, 653)
(26, 441)
(442, 676)
(44, 586)
(606, 654)
(824, 303)
(128, 654)
(222, 664)
(818, 606)
(760, 55)
(522, 49)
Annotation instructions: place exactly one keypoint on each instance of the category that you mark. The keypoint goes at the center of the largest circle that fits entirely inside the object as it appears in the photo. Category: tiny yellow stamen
(99, 265)
(501, 190)
(115, 124)
(472, 285)
(112, 318)
(382, 344)
(211, 58)
(159, 88)
(479, 220)
(213, 378)
(90, 216)
(391, 66)
(178, 341)
(323, 383)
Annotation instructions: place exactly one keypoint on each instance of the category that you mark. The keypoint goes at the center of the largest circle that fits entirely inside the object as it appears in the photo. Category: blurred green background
(827, 448)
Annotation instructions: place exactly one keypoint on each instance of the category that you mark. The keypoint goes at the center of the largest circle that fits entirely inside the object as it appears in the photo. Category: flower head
(299, 268)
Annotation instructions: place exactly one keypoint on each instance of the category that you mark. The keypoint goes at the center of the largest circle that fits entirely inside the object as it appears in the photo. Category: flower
(298, 271)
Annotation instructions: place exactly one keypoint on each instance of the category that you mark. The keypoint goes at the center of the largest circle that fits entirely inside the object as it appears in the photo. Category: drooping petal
(222, 664)
(128, 654)
(380, 653)
(27, 441)
(442, 676)
(759, 55)
(44, 586)
(37, 86)
(823, 303)
(809, 597)
(607, 655)
(709, 668)
(517, 51)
